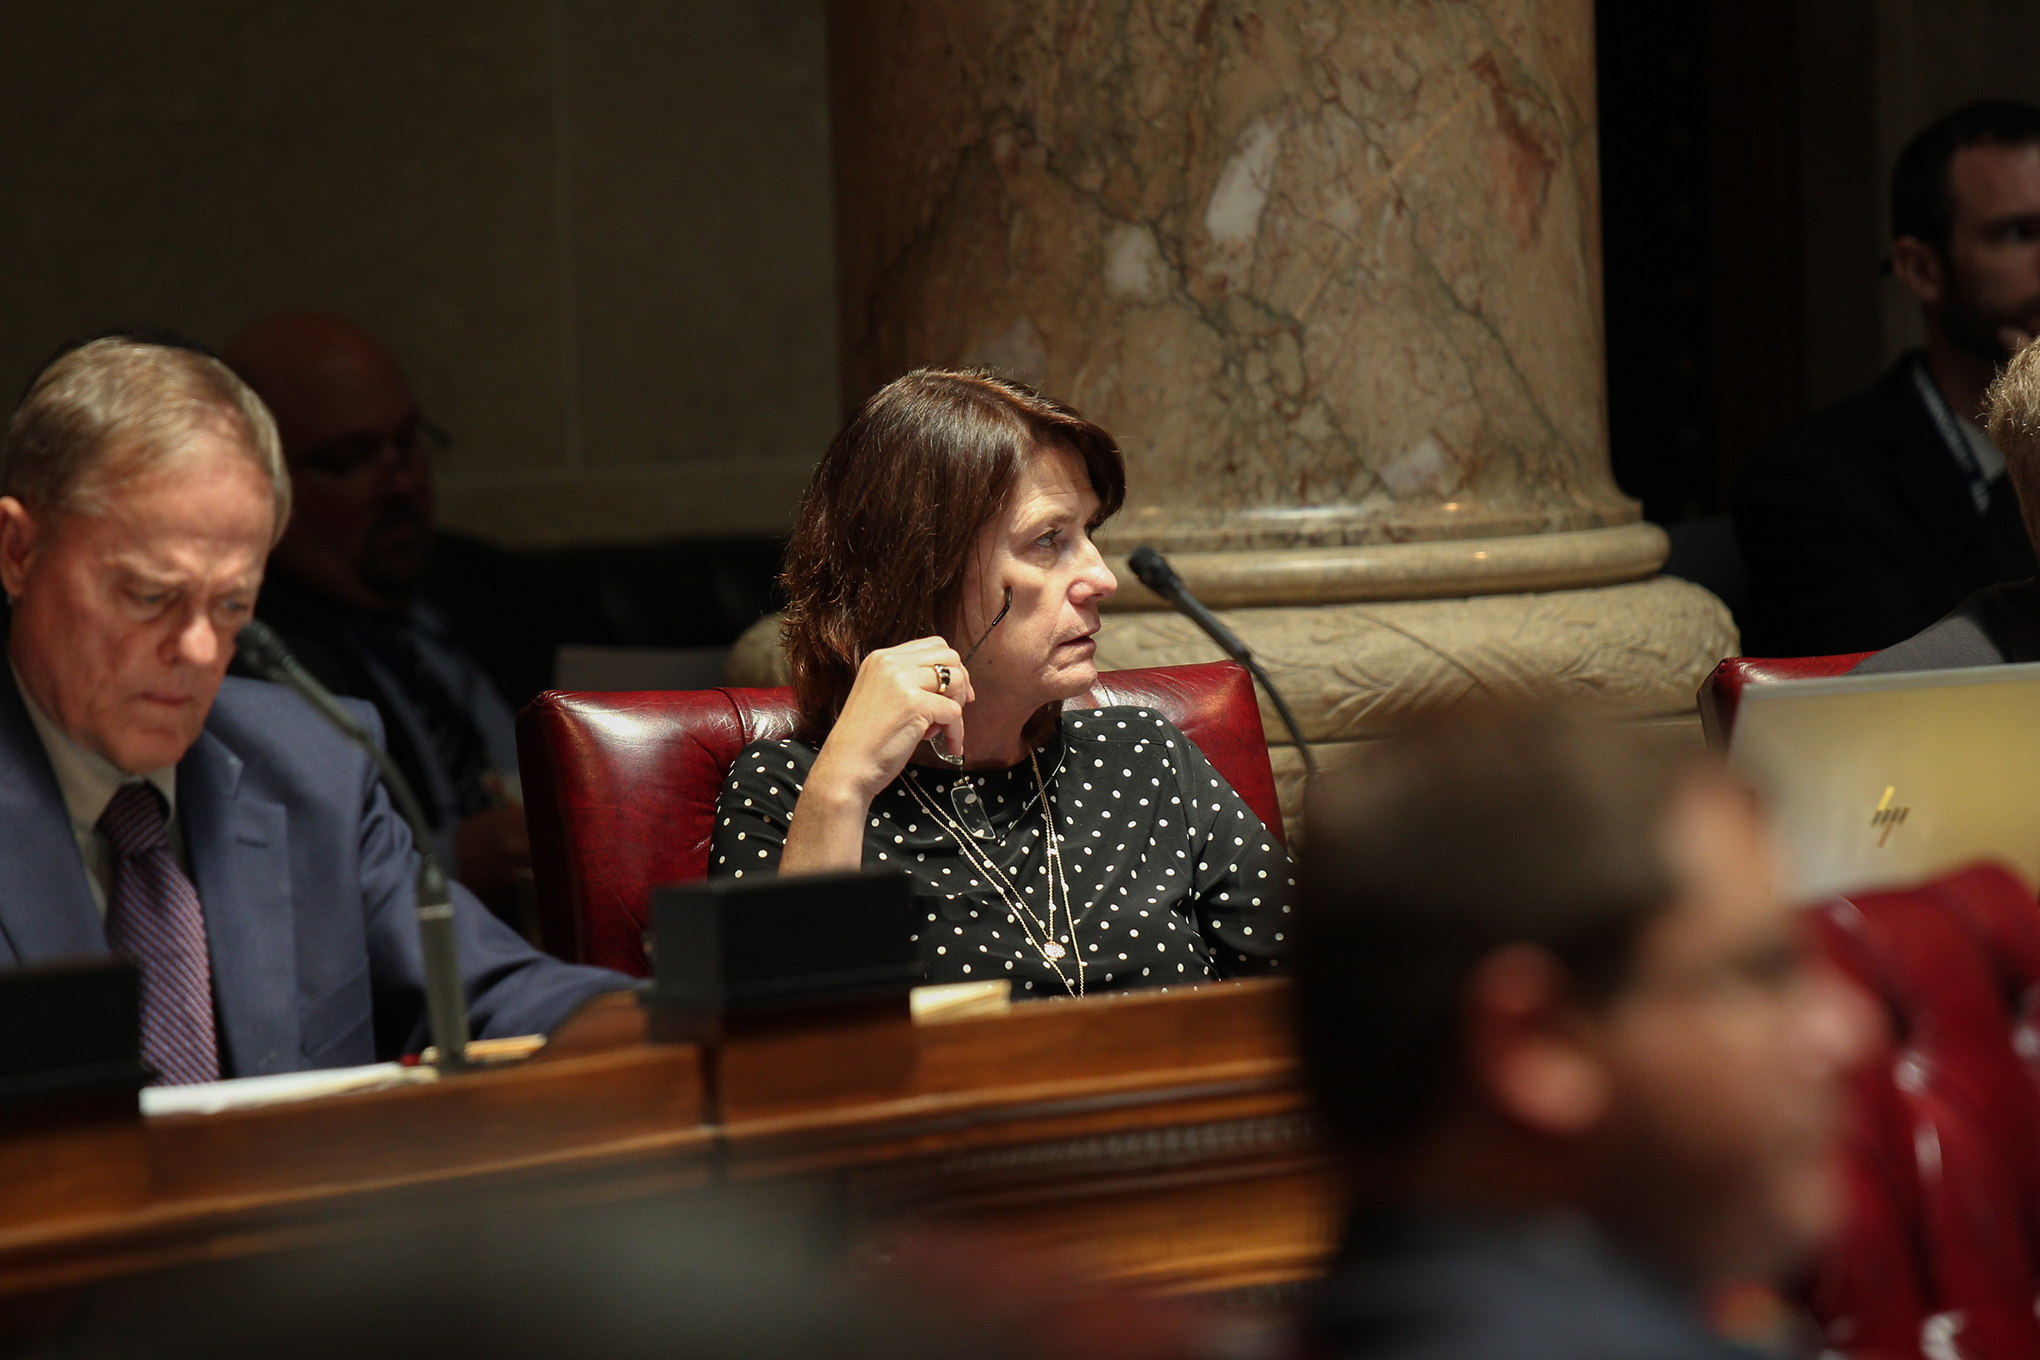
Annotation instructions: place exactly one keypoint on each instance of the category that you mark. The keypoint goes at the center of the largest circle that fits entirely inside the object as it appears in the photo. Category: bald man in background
(435, 629)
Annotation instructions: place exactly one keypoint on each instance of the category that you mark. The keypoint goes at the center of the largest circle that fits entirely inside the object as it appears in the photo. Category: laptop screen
(1880, 780)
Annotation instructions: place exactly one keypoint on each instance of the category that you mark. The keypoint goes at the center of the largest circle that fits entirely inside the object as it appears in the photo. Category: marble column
(1330, 270)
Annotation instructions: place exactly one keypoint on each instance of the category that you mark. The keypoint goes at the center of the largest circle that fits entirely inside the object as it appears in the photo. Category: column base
(1446, 568)
(1353, 672)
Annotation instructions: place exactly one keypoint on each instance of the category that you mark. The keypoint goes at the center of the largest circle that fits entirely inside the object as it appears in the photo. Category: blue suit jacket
(308, 881)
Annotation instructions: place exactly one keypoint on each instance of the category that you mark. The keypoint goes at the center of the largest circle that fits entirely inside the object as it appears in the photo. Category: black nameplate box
(736, 947)
(70, 1028)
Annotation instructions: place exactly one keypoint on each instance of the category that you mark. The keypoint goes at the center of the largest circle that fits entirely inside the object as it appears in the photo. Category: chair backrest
(1721, 691)
(620, 789)
(1944, 1151)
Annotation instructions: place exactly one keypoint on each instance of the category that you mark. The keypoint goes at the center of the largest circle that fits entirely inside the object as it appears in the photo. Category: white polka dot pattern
(1173, 876)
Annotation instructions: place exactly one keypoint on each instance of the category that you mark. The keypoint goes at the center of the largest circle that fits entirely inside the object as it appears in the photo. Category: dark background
(1746, 147)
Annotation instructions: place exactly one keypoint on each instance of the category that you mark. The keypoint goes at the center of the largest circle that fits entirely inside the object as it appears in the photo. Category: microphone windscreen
(1154, 571)
(258, 645)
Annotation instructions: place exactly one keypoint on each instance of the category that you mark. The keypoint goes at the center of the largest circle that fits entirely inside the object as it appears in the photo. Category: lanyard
(1952, 436)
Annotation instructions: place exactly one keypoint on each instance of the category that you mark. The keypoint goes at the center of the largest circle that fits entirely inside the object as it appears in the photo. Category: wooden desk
(1158, 1139)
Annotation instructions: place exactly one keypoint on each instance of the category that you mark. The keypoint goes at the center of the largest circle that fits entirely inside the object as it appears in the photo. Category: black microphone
(445, 998)
(1157, 575)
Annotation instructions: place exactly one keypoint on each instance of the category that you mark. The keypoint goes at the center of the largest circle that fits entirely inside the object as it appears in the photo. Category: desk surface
(1160, 1137)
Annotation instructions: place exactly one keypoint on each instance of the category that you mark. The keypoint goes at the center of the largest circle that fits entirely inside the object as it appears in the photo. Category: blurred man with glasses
(349, 583)
(1574, 1046)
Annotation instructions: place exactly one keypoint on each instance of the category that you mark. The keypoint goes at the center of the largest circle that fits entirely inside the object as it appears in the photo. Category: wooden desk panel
(1159, 1139)
(1223, 1231)
(132, 1194)
(873, 1085)
(78, 1159)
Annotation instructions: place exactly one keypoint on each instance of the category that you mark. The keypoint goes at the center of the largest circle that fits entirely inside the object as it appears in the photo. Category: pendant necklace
(1040, 934)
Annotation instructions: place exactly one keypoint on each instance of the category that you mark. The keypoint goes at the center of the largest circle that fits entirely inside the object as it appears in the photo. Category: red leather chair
(620, 789)
(1943, 1153)
(1721, 691)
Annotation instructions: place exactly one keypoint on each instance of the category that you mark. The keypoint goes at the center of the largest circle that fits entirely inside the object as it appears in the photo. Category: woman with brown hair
(943, 595)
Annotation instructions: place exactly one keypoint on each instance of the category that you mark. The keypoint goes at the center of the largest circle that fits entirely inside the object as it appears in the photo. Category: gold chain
(1055, 864)
(1044, 943)
(985, 865)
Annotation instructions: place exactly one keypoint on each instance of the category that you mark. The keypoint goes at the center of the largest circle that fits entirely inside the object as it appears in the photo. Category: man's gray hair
(113, 409)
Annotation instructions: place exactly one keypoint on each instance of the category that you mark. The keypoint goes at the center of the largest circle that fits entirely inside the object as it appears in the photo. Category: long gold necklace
(1040, 934)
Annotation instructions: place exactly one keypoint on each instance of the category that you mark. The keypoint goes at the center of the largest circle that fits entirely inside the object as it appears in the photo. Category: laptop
(1881, 780)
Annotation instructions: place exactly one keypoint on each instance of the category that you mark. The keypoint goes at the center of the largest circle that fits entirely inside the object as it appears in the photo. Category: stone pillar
(1330, 270)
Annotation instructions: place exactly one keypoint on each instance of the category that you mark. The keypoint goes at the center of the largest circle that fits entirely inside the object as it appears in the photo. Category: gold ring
(941, 679)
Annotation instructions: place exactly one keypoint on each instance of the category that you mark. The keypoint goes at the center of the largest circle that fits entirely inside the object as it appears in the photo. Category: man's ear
(1919, 267)
(20, 535)
(1528, 1044)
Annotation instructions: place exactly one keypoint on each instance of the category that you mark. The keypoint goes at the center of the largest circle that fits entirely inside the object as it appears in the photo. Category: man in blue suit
(216, 831)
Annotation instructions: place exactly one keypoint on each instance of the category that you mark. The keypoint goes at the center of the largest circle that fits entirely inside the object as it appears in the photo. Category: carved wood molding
(1056, 1165)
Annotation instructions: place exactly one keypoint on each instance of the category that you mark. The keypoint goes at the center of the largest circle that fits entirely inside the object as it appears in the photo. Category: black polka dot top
(1172, 876)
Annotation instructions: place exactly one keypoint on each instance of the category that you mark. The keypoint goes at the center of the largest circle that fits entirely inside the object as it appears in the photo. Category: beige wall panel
(596, 234)
(702, 232)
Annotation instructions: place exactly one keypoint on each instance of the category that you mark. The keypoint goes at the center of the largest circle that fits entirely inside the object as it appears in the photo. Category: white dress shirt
(88, 782)
(1986, 453)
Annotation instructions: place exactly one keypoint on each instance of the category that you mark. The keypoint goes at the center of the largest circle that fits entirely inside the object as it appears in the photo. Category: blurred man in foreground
(1582, 1071)
(214, 831)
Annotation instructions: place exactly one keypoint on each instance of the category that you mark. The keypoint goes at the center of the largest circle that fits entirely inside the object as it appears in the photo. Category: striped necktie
(153, 920)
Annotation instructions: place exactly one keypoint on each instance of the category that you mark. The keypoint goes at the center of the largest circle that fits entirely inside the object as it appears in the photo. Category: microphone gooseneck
(1157, 575)
(445, 999)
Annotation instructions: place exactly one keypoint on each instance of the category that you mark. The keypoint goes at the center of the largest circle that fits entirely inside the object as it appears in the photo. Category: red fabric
(1943, 1162)
(2004, 922)
(1721, 692)
(1870, 1289)
(620, 789)
(2000, 912)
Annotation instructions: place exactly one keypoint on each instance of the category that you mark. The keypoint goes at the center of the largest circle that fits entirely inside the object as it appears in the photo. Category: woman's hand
(896, 703)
